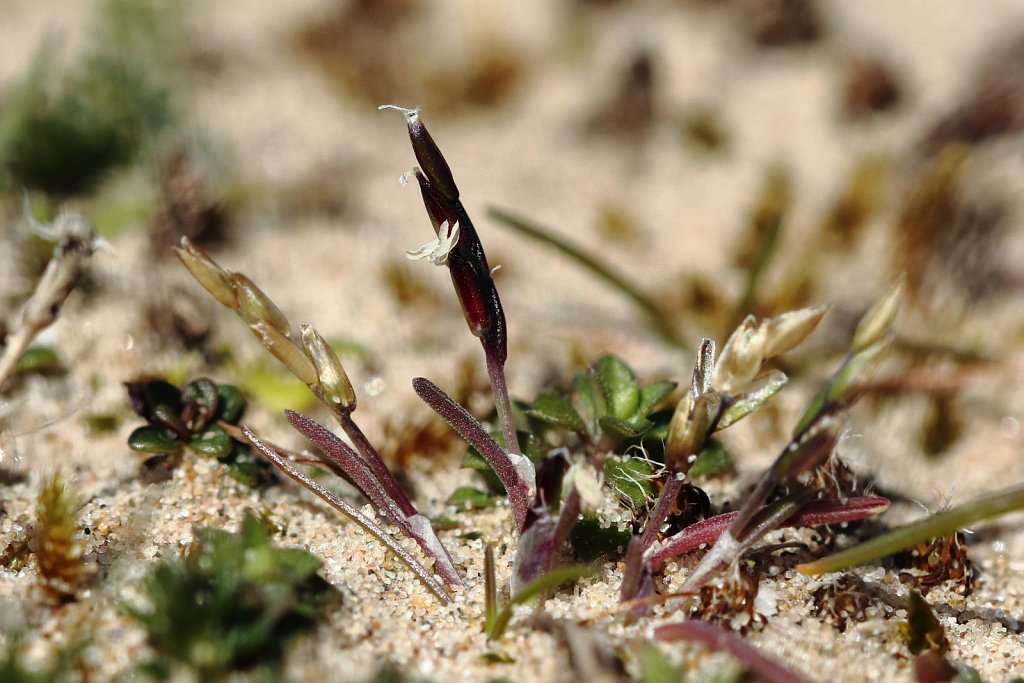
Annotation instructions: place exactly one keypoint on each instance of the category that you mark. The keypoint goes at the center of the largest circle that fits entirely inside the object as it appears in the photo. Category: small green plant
(199, 417)
(233, 603)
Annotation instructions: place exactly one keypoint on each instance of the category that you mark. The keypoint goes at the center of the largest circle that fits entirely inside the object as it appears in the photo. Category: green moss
(233, 603)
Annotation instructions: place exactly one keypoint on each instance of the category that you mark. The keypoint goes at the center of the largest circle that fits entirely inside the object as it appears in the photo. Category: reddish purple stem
(718, 639)
(813, 513)
(342, 458)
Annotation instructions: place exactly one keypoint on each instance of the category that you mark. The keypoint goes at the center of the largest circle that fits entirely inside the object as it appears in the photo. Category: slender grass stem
(936, 525)
(659, 321)
(496, 373)
(669, 493)
(367, 524)
(490, 589)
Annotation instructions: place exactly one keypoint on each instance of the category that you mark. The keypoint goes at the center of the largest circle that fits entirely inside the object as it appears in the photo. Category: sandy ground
(268, 117)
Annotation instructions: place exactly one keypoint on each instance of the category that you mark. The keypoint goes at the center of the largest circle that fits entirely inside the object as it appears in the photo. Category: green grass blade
(655, 315)
(936, 525)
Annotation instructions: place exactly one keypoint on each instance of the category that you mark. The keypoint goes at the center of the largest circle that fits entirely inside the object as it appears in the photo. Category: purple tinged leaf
(813, 513)
(396, 506)
(369, 525)
(475, 435)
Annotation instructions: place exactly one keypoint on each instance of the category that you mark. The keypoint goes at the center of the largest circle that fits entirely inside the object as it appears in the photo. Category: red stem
(813, 513)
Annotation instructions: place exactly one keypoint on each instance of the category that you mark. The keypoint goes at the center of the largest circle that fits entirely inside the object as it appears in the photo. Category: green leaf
(746, 403)
(655, 667)
(622, 429)
(232, 603)
(232, 403)
(38, 359)
(203, 393)
(632, 479)
(470, 498)
(713, 460)
(152, 440)
(213, 441)
(590, 541)
(619, 386)
(939, 524)
(552, 579)
(588, 399)
(472, 460)
(652, 394)
(557, 409)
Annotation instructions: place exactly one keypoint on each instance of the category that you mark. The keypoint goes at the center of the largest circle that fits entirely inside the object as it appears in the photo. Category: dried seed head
(256, 307)
(741, 357)
(207, 273)
(785, 331)
(333, 380)
(286, 351)
(876, 323)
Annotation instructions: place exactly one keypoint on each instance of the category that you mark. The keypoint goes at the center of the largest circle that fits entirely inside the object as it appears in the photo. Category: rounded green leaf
(152, 440)
(201, 400)
(213, 442)
(232, 403)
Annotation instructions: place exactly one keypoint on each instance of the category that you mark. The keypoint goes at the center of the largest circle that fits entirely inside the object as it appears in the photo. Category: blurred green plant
(233, 603)
(61, 132)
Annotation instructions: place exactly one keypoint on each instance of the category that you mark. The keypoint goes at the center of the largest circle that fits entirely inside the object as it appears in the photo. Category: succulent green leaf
(632, 479)
(588, 399)
(152, 440)
(591, 541)
(557, 409)
(201, 392)
(231, 401)
(213, 441)
(618, 384)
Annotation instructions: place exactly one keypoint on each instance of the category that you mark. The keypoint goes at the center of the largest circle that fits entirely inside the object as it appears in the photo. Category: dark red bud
(430, 159)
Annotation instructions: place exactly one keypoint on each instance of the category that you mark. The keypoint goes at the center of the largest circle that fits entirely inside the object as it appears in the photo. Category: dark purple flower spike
(458, 246)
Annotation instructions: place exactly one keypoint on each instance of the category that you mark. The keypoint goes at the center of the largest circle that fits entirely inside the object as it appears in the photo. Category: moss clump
(232, 603)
